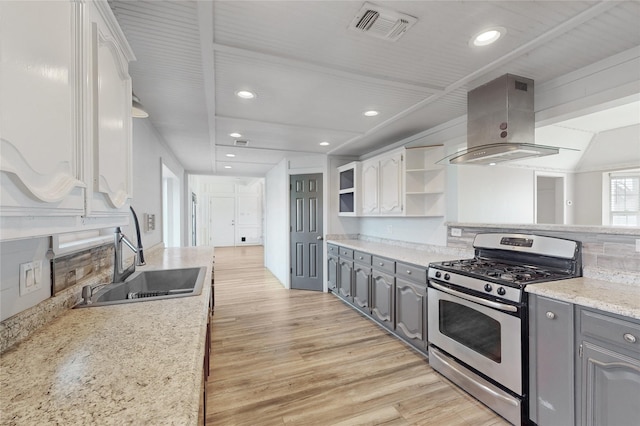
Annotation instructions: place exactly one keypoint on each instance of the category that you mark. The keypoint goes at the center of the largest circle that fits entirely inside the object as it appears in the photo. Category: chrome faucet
(119, 272)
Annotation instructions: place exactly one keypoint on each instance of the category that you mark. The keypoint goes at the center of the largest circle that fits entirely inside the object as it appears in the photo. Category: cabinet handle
(381, 264)
(408, 272)
(360, 257)
(551, 315)
(629, 337)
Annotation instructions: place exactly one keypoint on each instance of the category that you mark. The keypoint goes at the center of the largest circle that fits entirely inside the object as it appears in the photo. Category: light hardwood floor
(294, 357)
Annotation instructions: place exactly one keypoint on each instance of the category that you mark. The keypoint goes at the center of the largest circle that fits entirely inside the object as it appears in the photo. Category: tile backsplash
(69, 274)
(606, 256)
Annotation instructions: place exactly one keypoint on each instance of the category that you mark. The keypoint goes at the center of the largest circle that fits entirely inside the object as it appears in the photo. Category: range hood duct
(501, 123)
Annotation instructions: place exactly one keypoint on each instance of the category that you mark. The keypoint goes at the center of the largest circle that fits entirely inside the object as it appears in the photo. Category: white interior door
(222, 221)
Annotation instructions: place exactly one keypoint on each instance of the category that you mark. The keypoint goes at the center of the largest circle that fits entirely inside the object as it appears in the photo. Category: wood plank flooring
(294, 357)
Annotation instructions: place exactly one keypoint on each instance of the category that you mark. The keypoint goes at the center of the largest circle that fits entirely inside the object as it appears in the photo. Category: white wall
(587, 202)
(276, 236)
(149, 152)
(13, 253)
(495, 194)
(421, 230)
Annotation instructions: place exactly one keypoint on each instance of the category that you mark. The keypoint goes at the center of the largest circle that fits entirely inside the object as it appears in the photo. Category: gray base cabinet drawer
(623, 333)
(361, 257)
(346, 253)
(383, 264)
(411, 272)
(333, 250)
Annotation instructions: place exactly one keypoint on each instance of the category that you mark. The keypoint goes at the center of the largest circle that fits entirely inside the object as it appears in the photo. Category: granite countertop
(420, 257)
(137, 363)
(616, 298)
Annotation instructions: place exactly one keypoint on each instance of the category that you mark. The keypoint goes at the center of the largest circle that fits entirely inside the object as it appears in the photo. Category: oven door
(477, 332)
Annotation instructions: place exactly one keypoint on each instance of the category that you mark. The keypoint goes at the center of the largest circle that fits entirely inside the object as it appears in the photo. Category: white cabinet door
(370, 187)
(110, 107)
(40, 153)
(390, 185)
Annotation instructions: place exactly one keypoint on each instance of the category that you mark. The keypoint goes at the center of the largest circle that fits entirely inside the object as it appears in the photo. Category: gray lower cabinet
(382, 298)
(361, 286)
(551, 357)
(345, 279)
(608, 369)
(332, 273)
(411, 312)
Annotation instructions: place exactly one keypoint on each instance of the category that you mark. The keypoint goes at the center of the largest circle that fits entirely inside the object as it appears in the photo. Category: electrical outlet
(638, 245)
(456, 232)
(30, 277)
(390, 229)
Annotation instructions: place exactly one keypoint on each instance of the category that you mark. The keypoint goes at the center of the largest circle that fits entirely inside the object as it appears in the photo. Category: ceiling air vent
(382, 23)
(239, 142)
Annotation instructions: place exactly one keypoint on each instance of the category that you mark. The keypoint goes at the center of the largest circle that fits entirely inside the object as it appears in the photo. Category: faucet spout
(140, 254)
(119, 272)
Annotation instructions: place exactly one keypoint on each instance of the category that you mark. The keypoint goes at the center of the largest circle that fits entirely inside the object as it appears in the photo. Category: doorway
(550, 199)
(170, 208)
(222, 212)
(305, 221)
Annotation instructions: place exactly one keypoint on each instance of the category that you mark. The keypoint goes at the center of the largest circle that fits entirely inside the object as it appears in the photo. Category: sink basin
(145, 286)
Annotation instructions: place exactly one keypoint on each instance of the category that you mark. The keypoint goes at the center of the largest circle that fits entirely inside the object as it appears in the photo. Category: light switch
(30, 277)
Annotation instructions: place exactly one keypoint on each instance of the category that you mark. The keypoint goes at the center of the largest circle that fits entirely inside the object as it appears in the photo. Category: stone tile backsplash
(69, 274)
(606, 256)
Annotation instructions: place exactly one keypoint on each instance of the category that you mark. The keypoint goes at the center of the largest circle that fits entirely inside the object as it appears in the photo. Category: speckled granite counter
(405, 254)
(138, 363)
(621, 299)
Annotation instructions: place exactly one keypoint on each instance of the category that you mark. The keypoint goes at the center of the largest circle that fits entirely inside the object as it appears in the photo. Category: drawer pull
(360, 257)
(551, 315)
(629, 337)
(408, 272)
(381, 264)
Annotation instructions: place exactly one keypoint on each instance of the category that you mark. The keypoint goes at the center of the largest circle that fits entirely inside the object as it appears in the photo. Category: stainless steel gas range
(478, 316)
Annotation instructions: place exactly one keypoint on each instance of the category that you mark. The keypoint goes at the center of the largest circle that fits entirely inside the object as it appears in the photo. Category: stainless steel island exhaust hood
(501, 123)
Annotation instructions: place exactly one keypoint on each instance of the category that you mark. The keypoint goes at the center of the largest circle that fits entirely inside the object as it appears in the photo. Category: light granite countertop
(616, 298)
(415, 256)
(137, 363)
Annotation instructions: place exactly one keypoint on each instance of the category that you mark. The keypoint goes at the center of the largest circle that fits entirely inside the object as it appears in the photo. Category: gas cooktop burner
(516, 274)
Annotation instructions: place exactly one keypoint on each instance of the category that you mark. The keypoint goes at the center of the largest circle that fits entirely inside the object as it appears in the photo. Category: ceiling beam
(339, 72)
(205, 25)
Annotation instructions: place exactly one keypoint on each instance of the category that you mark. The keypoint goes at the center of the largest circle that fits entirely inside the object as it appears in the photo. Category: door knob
(319, 237)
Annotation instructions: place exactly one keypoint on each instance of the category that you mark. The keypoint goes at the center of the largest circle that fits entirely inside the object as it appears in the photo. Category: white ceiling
(314, 77)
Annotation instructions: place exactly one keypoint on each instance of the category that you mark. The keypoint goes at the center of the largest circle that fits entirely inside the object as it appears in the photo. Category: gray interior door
(306, 232)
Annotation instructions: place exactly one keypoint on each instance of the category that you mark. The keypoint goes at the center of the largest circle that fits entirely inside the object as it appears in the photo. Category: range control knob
(487, 287)
(438, 274)
(447, 276)
(502, 291)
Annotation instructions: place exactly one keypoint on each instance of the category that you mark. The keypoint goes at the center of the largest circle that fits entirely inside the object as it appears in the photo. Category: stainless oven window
(471, 328)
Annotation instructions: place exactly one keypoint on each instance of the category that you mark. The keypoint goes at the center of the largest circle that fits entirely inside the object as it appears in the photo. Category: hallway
(292, 357)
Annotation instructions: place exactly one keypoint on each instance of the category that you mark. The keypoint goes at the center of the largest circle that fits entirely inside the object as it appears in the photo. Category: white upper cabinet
(109, 114)
(382, 185)
(402, 182)
(390, 184)
(65, 118)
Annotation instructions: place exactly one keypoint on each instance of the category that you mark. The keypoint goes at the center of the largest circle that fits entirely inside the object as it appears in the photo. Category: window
(624, 203)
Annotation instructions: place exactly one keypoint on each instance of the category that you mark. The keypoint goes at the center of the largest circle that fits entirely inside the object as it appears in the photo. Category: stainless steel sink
(145, 286)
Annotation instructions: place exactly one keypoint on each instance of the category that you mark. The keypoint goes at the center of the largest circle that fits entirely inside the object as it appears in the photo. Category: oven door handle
(475, 299)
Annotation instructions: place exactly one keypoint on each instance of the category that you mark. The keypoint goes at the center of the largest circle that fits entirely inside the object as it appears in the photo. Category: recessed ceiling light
(235, 135)
(371, 113)
(245, 94)
(227, 167)
(487, 37)
(325, 143)
(231, 155)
